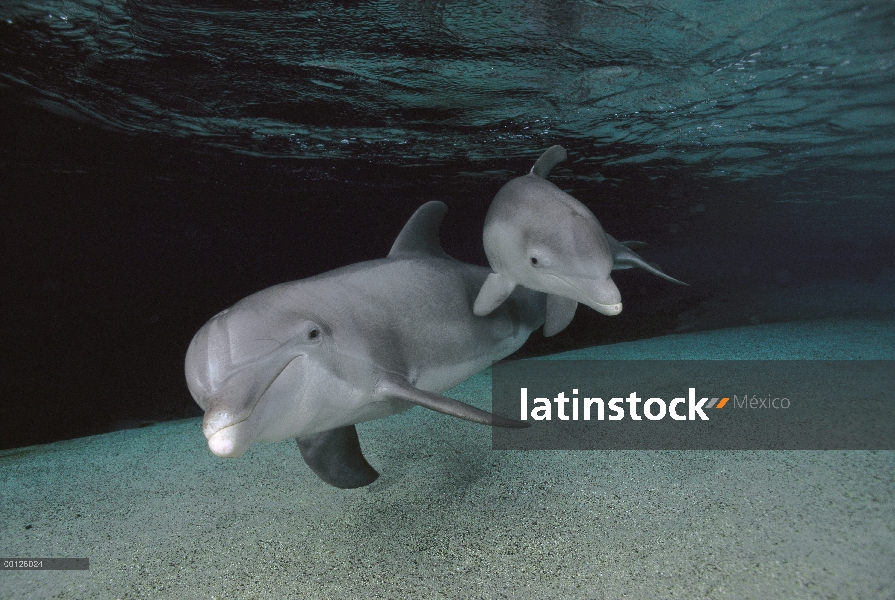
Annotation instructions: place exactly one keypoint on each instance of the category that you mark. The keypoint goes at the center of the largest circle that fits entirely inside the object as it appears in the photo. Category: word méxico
(758, 402)
(653, 409)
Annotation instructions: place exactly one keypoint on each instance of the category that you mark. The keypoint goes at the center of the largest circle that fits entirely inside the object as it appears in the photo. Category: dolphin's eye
(534, 261)
(314, 334)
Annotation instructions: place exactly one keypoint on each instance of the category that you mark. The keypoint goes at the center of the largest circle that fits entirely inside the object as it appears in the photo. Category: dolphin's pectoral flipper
(560, 312)
(625, 258)
(395, 388)
(495, 290)
(549, 159)
(635, 245)
(335, 456)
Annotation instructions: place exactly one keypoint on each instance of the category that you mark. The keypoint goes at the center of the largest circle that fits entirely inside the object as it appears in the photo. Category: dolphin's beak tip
(610, 310)
(224, 446)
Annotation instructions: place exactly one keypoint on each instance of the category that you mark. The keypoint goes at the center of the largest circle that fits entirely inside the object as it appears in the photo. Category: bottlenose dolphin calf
(311, 358)
(540, 237)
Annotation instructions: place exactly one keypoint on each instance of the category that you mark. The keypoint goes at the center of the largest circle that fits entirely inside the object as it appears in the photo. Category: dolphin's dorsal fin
(549, 159)
(393, 387)
(420, 233)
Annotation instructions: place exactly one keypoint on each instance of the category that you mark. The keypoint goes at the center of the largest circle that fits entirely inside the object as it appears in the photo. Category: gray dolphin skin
(311, 358)
(540, 237)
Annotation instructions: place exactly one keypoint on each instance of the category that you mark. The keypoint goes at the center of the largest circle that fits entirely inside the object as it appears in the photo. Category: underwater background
(161, 160)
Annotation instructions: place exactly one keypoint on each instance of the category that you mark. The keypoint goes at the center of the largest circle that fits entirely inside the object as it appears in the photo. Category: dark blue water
(161, 160)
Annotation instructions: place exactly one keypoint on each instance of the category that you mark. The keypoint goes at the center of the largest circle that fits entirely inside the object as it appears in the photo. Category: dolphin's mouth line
(578, 289)
(212, 433)
(208, 436)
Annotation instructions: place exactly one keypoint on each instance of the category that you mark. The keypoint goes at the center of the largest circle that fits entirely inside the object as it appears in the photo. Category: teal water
(731, 90)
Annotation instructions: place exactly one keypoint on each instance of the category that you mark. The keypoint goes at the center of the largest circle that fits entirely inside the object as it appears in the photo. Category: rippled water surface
(732, 88)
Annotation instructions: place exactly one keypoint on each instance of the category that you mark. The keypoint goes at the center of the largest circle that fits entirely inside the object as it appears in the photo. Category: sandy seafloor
(159, 516)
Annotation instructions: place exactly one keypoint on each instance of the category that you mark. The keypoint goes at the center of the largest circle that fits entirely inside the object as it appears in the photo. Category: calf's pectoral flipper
(624, 257)
(560, 312)
(335, 456)
(635, 245)
(495, 290)
(394, 388)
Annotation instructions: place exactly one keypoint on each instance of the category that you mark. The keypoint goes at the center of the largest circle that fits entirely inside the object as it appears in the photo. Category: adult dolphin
(311, 358)
(540, 237)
